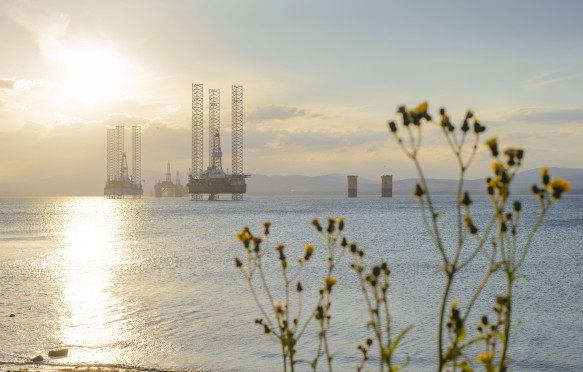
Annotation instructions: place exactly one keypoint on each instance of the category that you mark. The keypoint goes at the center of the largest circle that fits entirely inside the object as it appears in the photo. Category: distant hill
(337, 183)
(91, 183)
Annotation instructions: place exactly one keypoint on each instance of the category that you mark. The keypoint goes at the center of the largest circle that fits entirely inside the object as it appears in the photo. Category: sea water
(152, 282)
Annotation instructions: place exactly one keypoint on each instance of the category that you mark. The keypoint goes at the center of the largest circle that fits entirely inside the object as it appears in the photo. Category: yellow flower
(497, 167)
(330, 281)
(492, 141)
(454, 303)
(559, 186)
(309, 249)
(544, 171)
(422, 108)
(485, 357)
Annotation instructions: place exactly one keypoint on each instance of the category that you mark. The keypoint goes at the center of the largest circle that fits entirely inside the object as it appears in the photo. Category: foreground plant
(496, 240)
(280, 325)
(375, 288)
(506, 253)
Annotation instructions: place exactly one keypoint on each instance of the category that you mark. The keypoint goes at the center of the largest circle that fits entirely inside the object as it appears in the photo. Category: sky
(320, 79)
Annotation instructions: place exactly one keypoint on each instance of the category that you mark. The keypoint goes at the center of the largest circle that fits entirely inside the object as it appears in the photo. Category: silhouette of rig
(119, 184)
(169, 188)
(214, 181)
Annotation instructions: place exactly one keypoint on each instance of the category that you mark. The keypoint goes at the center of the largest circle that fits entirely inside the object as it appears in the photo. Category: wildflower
(238, 263)
(421, 111)
(344, 242)
(559, 186)
(497, 167)
(544, 171)
(492, 143)
(392, 126)
(331, 225)
(517, 206)
(317, 225)
(406, 118)
(485, 358)
(418, 193)
(330, 281)
(353, 248)
(465, 126)
(309, 250)
(376, 271)
(454, 304)
(267, 224)
(340, 223)
(478, 128)
(512, 154)
(445, 123)
(245, 237)
(299, 287)
(257, 243)
(280, 309)
(466, 199)
(470, 225)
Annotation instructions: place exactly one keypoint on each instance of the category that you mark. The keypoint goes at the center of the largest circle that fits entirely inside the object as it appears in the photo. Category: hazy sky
(320, 80)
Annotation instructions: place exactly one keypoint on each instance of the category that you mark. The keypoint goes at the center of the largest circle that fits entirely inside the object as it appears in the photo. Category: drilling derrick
(167, 187)
(197, 134)
(137, 155)
(118, 183)
(214, 180)
(237, 136)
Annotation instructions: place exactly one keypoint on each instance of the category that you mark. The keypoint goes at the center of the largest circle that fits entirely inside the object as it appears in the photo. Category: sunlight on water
(89, 258)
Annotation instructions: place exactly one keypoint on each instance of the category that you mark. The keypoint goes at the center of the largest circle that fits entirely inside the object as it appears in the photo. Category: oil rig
(119, 183)
(214, 181)
(168, 187)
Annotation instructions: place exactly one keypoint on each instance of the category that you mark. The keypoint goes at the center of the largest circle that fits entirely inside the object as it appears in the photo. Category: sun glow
(91, 74)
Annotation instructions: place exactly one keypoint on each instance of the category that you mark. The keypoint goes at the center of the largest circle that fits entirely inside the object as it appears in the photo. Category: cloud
(284, 140)
(546, 79)
(275, 113)
(547, 115)
(45, 23)
(7, 84)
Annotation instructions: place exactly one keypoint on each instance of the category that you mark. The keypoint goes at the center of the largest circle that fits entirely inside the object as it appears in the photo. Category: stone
(37, 359)
(59, 352)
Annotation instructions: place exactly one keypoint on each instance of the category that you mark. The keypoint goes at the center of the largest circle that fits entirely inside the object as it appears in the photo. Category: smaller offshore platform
(119, 183)
(169, 188)
(214, 181)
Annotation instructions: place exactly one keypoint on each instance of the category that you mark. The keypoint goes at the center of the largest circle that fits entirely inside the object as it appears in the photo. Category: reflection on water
(89, 259)
(151, 282)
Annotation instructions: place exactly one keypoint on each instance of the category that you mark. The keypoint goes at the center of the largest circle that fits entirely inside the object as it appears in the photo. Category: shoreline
(27, 366)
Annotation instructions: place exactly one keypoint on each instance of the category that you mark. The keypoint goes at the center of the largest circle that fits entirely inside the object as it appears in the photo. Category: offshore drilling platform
(119, 183)
(214, 181)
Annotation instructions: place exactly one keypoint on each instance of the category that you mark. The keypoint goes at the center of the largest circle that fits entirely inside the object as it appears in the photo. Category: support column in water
(387, 186)
(352, 182)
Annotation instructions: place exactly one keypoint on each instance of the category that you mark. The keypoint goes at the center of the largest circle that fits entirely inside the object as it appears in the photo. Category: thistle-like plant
(375, 289)
(279, 324)
(506, 253)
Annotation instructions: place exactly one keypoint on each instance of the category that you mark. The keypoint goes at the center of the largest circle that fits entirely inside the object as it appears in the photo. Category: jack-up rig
(119, 183)
(168, 187)
(214, 181)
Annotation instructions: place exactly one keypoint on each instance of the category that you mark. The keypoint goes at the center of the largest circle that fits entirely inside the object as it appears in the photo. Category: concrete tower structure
(387, 186)
(352, 186)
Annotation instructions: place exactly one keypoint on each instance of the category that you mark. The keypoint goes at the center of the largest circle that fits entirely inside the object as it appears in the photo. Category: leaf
(398, 368)
(465, 367)
(461, 336)
(314, 363)
(398, 340)
(471, 342)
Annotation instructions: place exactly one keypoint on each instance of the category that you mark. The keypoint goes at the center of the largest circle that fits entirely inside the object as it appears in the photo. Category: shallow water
(151, 282)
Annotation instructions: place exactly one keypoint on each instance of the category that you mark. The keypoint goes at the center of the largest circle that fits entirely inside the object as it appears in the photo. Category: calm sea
(152, 283)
